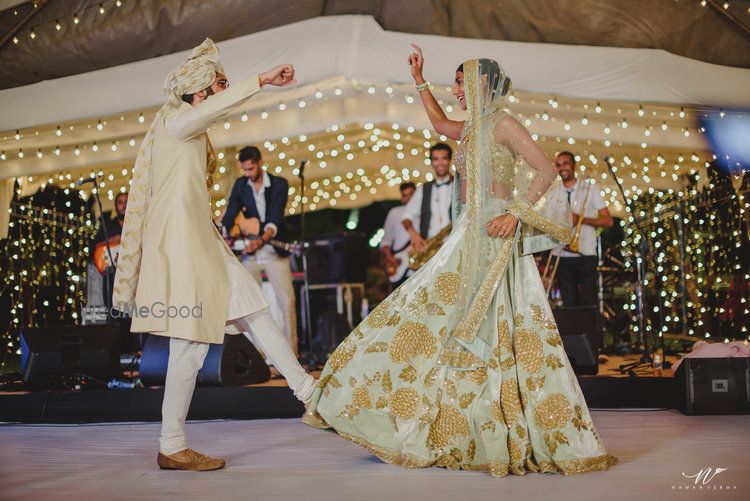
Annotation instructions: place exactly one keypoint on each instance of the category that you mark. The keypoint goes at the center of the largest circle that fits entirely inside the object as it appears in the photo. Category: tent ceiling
(143, 29)
(638, 106)
(358, 48)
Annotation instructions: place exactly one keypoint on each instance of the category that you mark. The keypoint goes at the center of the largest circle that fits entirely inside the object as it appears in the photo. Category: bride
(462, 366)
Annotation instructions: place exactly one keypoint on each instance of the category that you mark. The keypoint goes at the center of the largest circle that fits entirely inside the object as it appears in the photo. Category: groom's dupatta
(504, 169)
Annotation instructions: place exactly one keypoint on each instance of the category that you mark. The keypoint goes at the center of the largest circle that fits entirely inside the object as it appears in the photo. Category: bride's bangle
(423, 86)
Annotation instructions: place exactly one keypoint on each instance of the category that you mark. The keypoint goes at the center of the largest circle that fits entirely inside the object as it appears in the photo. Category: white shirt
(396, 237)
(595, 202)
(267, 252)
(440, 202)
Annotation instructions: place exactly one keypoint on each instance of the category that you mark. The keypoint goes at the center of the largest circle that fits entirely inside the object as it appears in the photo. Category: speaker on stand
(337, 271)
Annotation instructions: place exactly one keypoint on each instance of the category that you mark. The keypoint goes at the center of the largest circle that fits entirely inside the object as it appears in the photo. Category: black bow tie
(440, 185)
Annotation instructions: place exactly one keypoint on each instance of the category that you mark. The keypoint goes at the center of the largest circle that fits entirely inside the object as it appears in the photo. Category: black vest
(426, 214)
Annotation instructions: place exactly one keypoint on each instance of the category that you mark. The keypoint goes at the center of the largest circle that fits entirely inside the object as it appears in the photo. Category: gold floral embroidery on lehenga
(390, 388)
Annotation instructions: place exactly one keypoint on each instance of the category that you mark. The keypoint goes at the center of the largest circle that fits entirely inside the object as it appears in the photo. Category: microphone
(91, 179)
(302, 166)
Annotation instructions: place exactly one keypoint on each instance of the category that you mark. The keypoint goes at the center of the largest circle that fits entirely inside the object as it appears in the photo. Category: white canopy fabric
(357, 47)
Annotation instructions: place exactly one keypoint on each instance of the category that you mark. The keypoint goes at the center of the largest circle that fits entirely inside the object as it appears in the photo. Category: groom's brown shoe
(195, 461)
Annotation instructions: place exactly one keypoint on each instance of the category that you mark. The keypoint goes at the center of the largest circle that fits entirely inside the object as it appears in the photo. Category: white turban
(195, 74)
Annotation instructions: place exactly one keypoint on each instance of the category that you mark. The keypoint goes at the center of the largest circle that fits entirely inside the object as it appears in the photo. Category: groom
(175, 274)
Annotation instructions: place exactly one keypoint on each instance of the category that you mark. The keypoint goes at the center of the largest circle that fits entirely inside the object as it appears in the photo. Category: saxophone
(432, 245)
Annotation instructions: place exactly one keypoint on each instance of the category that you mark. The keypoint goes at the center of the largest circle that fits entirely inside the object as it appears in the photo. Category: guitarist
(94, 278)
(396, 243)
(264, 196)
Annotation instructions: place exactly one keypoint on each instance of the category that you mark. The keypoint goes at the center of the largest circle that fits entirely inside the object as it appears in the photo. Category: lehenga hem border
(312, 418)
(408, 460)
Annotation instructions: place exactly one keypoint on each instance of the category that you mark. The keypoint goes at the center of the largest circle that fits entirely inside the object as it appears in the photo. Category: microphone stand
(310, 360)
(642, 250)
(108, 271)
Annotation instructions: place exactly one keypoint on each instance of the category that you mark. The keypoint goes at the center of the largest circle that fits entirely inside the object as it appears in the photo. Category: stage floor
(284, 459)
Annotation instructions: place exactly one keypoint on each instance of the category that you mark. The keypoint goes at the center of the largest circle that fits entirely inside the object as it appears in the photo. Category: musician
(429, 210)
(94, 278)
(261, 195)
(576, 273)
(396, 242)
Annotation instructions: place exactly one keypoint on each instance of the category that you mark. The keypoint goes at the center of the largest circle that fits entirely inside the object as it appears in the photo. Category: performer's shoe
(195, 462)
(312, 418)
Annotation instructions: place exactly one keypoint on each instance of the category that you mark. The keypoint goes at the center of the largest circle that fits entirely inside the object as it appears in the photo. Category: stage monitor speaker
(47, 353)
(715, 385)
(336, 258)
(236, 362)
(579, 330)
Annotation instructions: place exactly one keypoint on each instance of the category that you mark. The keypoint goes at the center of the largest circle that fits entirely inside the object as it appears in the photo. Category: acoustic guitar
(246, 229)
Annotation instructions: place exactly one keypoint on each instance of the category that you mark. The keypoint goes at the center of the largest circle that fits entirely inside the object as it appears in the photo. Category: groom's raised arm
(187, 123)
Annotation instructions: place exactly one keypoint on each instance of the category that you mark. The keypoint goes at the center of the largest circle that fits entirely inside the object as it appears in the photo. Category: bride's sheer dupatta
(505, 170)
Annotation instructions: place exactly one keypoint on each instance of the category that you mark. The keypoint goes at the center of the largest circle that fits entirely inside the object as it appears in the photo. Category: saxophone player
(576, 273)
(429, 210)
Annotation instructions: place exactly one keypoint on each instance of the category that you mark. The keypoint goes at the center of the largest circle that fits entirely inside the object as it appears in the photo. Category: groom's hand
(280, 76)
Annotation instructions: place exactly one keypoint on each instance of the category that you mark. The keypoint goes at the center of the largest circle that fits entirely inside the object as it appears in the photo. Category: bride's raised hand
(416, 62)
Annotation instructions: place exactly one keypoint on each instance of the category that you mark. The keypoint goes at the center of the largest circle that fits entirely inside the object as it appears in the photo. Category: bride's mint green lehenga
(462, 366)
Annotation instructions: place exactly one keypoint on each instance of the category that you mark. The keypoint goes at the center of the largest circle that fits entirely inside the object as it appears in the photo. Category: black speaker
(714, 385)
(579, 328)
(236, 362)
(50, 352)
(336, 258)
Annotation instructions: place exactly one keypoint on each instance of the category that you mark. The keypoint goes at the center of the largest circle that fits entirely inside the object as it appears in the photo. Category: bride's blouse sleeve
(513, 134)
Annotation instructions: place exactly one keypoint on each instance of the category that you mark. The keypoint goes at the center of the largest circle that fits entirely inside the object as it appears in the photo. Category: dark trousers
(576, 278)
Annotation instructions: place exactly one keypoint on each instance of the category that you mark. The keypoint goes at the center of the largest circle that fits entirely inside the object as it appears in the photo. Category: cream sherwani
(186, 265)
(185, 262)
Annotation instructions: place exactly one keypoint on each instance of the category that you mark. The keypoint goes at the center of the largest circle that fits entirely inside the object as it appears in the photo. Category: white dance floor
(286, 460)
